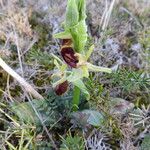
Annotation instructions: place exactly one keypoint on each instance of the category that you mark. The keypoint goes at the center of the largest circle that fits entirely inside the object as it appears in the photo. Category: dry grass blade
(25, 84)
(107, 13)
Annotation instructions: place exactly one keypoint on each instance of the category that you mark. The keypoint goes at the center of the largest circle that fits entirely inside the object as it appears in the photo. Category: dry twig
(25, 84)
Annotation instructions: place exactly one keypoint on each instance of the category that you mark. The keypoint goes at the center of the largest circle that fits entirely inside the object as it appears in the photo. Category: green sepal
(89, 52)
(98, 69)
(85, 72)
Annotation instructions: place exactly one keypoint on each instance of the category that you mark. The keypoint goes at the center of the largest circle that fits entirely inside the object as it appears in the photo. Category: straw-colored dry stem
(25, 84)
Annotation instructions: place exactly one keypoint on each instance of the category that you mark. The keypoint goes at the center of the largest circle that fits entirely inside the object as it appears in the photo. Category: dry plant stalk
(107, 14)
(25, 84)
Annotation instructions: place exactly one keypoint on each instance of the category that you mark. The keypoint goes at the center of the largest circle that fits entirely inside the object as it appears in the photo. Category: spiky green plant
(72, 143)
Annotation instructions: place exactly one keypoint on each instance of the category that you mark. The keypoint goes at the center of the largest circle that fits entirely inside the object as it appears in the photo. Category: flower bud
(61, 88)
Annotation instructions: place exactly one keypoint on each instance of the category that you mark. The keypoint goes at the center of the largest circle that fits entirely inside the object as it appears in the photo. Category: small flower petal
(68, 55)
(67, 42)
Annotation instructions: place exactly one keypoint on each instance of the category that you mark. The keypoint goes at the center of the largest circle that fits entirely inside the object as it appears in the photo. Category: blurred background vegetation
(118, 114)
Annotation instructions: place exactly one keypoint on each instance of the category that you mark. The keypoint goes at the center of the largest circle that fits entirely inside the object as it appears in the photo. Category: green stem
(76, 98)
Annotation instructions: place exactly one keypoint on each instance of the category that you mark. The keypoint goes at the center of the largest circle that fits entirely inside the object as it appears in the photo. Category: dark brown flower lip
(68, 55)
(62, 88)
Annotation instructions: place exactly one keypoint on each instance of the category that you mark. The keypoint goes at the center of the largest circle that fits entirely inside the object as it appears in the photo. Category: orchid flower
(75, 66)
(80, 69)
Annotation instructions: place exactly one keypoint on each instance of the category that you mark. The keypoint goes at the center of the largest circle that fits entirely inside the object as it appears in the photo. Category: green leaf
(88, 117)
(79, 35)
(95, 117)
(119, 106)
(11, 147)
(26, 113)
(56, 64)
(72, 143)
(145, 143)
(63, 35)
(81, 9)
(57, 58)
(79, 83)
(75, 78)
(76, 74)
(75, 25)
(72, 14)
